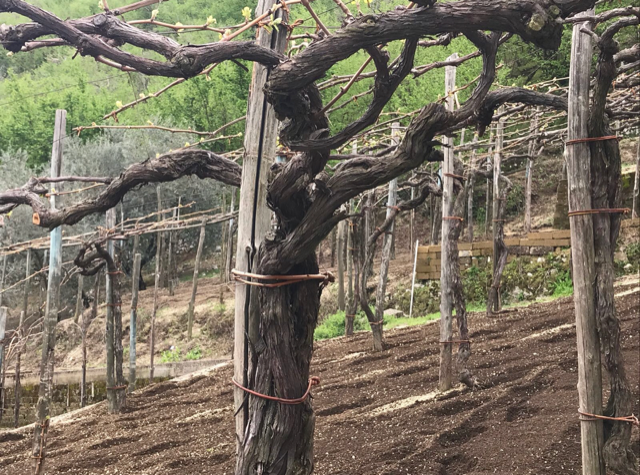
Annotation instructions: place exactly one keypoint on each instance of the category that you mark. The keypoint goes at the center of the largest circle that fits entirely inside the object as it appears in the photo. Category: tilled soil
(377, 413)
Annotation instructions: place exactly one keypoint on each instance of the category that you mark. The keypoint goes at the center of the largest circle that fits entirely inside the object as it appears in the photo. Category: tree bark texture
(606, 167)
(471, 181)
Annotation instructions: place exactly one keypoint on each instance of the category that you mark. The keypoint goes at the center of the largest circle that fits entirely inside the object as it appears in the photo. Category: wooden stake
(2, 276)
(230, 232)
(413, 276)
(23, 315)
(497, 170)
(472, 181)
(133, 322)
(86, 320)
(3, 322)
(582, 251)
(194, 286)
(446, 277)
(78, 311)
(254, 219)
(341, 246)
(52, 306)
(636, 186)
(533, 130)
(489, 201)
(171, 262)
(110, 323)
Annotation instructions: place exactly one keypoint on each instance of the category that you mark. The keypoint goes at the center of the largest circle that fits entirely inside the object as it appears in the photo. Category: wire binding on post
(592, 139)
(599, 211)
(283, 280)
(586, 416)
(313, 381)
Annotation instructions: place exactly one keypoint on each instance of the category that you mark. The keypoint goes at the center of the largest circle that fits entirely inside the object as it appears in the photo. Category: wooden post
(254, 220)
(497, 170)
(351, 303)
(446, 278)
(194, 284)
(533, 130)
(85, 326)
(17, 391)
(413, 277)
(133, 323)
(381, 291)
(3, 322)
(636, 185)
(78, 311)
(489, 201)
(171, 261)
(2, 276)
(52, 306)
(110, 322)
(230, 231)
(341, 246)
(472, 181)
(582, 251)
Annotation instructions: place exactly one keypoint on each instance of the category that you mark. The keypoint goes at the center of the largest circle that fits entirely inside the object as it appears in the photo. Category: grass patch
(562, 285)
(171, 356)
(392, 322)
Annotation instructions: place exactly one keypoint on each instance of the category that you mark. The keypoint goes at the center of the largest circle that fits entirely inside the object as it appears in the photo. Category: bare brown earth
(377, 413)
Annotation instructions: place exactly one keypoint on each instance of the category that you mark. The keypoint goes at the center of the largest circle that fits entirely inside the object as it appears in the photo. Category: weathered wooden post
(341, 246)
(230, 232)
(194, 283)
(489, 195)
(52, 306)
(78, 311)
(254, 218)
(171, 261)
(351, 303)
(112, 393)
(86, 320)
(376, 327)
(17, 391)
(533, 130)
(3, 323)
(582, 251)
(446, 284)
(472, 181)
(636, 185)
(133, 323)
(2, 276)
(497, 220)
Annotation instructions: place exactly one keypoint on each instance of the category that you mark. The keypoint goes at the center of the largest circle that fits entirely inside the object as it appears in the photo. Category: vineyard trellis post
(3, 323)
(582, 250)
(446, 283)
(53, 304)
(194, 284)
(133, 320)
(497, 219)
(17, 388)
(636, 185)
(254, 218)
(528, 175)
(78, 310)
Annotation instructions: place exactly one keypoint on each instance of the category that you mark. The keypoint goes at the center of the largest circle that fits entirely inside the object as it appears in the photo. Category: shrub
(170, 356)
(194, 354)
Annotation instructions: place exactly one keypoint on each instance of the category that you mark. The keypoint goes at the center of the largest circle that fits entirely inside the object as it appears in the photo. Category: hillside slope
(377, 413)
